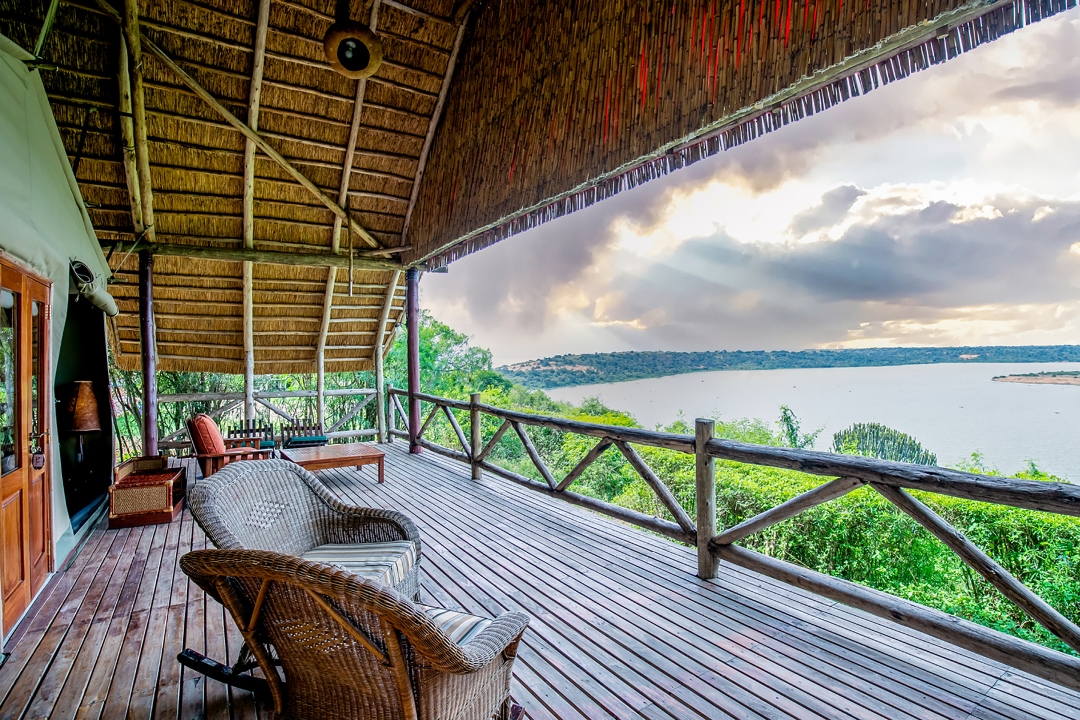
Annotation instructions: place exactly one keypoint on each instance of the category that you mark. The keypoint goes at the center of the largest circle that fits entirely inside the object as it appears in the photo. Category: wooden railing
(891, 479)
(235, 400)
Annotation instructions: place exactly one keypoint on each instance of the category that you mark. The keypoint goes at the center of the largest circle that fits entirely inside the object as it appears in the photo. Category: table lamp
(83, 409)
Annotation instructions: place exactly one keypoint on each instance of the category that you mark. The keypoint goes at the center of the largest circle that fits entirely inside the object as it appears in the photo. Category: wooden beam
(254, 98)
(133, 31)
(583, 464)
(127, 137)
(379, 353)
(436, 116)
(130, 26)
(236, 254)
(995, 574)
(1012, 651)
(801, 503)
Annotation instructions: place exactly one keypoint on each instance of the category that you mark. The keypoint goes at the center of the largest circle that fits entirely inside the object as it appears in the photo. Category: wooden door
(24, 414)
(39, 421)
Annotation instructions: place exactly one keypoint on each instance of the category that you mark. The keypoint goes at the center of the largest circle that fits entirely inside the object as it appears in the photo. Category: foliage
(860, 537)
(884, 443)
(565, 370)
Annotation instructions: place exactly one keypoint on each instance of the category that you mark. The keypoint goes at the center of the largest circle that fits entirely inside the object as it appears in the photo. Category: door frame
(31, 287)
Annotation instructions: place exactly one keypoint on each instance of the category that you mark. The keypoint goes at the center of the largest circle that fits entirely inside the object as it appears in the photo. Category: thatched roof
(485, 119)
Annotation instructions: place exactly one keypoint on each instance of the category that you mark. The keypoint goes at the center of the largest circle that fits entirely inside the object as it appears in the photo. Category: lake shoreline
(1039, 379)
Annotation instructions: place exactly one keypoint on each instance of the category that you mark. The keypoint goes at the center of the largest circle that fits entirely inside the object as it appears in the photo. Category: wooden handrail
(1060, 498)
(848, 472)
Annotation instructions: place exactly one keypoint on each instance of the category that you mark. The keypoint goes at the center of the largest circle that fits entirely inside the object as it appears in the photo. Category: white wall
(43, 222)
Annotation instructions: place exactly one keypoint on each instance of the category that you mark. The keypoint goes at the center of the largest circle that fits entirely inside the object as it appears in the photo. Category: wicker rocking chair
(333, 645)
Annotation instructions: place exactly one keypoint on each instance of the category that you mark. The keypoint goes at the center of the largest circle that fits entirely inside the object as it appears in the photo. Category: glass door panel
(10, 448)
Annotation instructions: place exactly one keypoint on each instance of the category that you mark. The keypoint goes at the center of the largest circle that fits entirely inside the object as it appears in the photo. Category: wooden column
(412, 326)
(378, 353)
(249, 346)
(705, 479)
(149, 353)
(391, 415)
(475, 435)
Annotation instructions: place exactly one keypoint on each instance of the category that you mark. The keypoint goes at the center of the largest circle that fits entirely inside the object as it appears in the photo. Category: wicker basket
(145, 491)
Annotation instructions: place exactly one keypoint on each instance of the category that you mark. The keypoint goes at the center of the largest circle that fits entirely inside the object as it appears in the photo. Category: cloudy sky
(941, 210)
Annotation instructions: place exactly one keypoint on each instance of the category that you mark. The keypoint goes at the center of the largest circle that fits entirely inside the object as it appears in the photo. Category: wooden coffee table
(333, 456)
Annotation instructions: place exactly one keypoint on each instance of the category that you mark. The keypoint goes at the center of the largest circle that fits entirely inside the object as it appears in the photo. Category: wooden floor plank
(621, 627)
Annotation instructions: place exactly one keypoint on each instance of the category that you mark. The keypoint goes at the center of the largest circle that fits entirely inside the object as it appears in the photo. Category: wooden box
(145, 491)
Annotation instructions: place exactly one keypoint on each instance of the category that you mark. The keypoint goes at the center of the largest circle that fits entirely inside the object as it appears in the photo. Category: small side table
(146, 491)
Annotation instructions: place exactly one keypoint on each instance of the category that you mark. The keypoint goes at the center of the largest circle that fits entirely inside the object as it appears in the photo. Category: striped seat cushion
(387, 562)
(459, 626)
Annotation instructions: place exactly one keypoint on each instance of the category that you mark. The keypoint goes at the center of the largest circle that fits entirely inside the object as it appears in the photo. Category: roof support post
(149, 353)
(379, 353)
(254, 96)
(320, 347)
(249, 346)
(130, 25)
(412, 327)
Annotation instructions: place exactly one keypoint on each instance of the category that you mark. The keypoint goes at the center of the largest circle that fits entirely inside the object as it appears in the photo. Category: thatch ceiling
(549, 106)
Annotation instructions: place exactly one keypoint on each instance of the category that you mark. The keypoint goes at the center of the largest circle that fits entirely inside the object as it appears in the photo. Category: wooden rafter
(367, 260)
(217, 106)
(127, 136)
(434, 124)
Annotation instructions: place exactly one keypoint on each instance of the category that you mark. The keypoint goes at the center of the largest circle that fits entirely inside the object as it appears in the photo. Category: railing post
(391, 416)
(477, 441)
(705, 479)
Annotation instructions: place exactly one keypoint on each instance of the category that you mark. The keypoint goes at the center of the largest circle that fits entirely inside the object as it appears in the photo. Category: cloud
(834, 206)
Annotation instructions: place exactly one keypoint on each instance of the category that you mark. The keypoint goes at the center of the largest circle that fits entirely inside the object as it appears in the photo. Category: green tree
(884, 443)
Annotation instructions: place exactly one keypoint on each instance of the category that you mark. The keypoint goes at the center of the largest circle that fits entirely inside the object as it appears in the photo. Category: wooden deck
(621, 627)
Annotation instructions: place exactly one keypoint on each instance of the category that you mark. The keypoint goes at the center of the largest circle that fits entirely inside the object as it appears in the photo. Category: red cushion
(206, 436)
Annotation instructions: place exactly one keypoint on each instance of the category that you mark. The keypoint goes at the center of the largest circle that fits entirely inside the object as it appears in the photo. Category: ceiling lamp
(353, 49)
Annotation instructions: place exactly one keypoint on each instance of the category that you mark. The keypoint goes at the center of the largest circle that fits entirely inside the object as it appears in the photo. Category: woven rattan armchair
(348, 647)
(279, 506)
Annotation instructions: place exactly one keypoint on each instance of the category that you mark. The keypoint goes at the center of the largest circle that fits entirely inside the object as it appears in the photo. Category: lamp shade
(83, 408)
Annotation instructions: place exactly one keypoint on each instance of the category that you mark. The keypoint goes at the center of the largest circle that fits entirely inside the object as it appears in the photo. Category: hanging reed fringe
(437, 213)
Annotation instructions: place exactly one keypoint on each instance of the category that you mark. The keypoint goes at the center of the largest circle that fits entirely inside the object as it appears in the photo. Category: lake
(952, 409)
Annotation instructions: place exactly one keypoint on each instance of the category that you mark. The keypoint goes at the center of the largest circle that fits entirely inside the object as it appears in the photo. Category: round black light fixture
(353, 49)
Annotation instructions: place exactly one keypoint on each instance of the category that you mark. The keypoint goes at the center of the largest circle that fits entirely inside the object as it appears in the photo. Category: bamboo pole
(136, 41)
(254, 98)
(130, 24)
(127, 137)
(320, 347)
(363, 261)
(705, 485)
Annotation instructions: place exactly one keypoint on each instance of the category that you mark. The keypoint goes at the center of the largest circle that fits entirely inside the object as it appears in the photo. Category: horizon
(937, 211)
(798, 350)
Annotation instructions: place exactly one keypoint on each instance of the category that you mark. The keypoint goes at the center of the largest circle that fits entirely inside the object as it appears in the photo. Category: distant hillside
(564, 370)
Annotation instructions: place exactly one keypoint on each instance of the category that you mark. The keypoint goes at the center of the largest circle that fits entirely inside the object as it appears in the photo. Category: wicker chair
(348, 647)
(277, 505)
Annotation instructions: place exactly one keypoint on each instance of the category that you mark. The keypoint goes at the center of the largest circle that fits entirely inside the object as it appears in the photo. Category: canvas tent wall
(43, 221)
